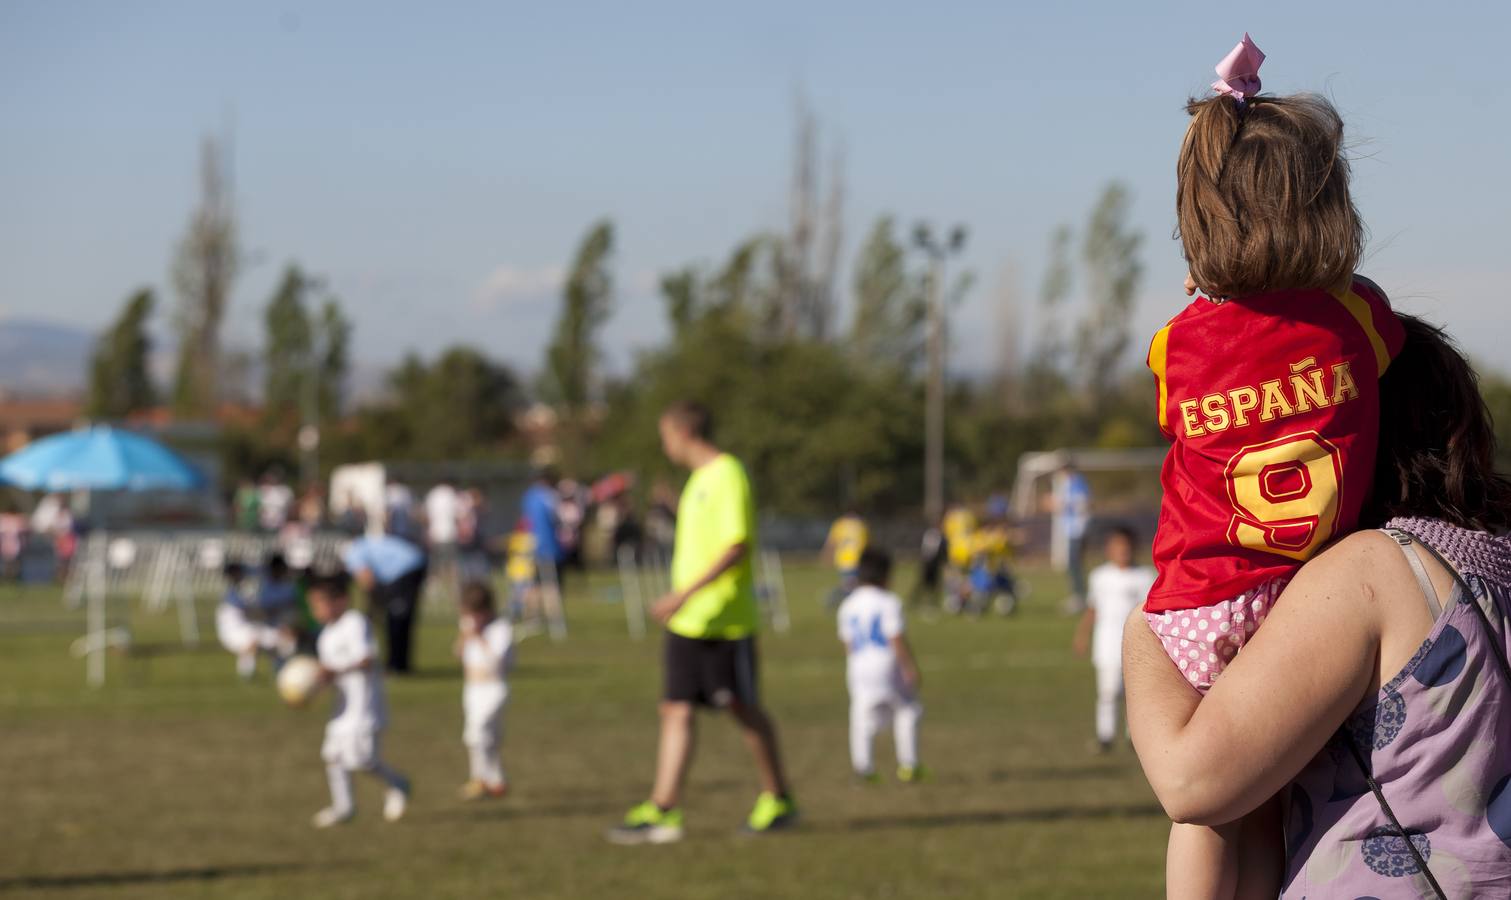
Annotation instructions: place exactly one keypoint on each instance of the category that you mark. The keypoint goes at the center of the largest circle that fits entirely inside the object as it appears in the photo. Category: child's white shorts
(350, 749)
(482, 712)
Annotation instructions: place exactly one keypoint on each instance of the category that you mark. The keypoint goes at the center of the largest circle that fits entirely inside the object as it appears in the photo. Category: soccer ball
(299, 680)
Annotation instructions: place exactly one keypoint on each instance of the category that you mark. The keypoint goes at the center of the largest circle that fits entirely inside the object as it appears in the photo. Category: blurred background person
(398, 508)
(246, 627)
(538, 508)
(275, 501)
(709, 649)
(442, 517)
(847, 540)
(880, 671)
(932, 551)
(390, 568)
(245, 505)
(1115, 589)
(1071, 516)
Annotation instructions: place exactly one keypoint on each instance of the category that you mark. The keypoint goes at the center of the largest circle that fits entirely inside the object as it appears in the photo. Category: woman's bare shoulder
(1364, 566)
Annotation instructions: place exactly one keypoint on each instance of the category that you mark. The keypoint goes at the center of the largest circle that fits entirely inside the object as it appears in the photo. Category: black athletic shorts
(710, 672)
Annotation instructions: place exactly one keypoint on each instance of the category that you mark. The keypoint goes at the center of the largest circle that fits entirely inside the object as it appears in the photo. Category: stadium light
(933, 458)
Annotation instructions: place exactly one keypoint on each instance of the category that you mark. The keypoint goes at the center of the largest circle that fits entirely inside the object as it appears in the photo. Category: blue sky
(438, 162)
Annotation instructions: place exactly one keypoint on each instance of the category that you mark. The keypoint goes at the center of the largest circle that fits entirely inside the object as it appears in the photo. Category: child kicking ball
(348, 657)
(485, 646)
(882, 675)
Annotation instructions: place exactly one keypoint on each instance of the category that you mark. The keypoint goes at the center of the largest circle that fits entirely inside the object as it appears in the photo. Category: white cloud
(508, 286)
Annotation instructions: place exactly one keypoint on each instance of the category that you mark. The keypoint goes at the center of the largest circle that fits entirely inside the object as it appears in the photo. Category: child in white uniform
(348, 659)
(245, 627)
(1117, 588)
(485, 645)
(882, 675)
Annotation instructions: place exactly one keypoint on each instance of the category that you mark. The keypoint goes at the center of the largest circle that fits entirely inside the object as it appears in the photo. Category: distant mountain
(40, 357)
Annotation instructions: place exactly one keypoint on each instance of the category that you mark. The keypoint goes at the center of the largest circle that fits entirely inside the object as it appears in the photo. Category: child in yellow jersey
(959, 529)
(847, 540)
(991, 579)
(520, 570)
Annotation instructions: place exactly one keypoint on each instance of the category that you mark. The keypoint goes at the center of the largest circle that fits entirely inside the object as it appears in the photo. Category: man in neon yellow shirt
(711, 620)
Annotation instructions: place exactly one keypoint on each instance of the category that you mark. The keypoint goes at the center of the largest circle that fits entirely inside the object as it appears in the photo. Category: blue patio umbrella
(99, 459)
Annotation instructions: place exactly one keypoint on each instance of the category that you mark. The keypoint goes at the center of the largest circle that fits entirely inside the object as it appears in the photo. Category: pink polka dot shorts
(1202, 641)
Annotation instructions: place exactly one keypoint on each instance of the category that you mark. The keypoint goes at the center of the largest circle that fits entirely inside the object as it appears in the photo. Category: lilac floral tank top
(1438, 738)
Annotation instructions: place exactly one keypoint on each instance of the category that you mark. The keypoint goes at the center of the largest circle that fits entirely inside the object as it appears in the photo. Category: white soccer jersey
(1115, 593)
(868, 621)
(359, 703)
(441, 512)
(490, 654)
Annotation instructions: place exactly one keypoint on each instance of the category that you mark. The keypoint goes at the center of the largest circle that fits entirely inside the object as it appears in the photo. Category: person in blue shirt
(391, 569)
(1072, 515)
(538, 508)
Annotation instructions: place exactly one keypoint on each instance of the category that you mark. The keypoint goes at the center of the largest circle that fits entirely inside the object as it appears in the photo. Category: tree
(806, 258)
(890, 305)
(1048, 360)
(743, 292)
(460, 406)
(203, 271)
(120, 381)
(586, 305)
(288, 348)
(1110, 252)
(333, 340)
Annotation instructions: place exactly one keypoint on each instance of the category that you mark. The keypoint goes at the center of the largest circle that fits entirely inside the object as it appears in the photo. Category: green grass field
(176, 780)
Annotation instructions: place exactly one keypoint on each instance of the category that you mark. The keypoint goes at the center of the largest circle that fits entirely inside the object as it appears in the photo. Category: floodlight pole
(308, 438)
(934, 383)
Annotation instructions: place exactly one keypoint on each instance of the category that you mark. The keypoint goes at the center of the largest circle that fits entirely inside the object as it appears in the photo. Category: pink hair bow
(1238, 73)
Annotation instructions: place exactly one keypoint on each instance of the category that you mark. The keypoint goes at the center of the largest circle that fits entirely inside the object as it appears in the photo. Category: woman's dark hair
(1437, 443)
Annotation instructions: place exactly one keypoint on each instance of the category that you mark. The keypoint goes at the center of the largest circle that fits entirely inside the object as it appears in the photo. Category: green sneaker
(771, 813)
(647, 823)
(868, 779)
(911, 774)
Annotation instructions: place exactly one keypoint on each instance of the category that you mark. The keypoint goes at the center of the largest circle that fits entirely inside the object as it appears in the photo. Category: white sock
(341, 788)
(246, 665)
(493, 768)
(477, 763)
(905, 733)
(862, 731)
(1109, 698)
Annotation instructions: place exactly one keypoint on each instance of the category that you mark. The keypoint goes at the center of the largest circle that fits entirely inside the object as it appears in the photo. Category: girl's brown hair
(1262, 199)
(477, 597)
(1437, 443)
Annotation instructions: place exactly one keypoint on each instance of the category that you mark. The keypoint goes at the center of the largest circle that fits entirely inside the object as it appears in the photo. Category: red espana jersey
(1272, 405)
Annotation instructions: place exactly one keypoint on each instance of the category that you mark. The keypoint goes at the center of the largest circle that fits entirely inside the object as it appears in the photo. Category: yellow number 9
(1285, 495)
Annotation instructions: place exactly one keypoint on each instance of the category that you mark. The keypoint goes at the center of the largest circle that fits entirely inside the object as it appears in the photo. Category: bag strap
(1404, 541)
(1496, 642)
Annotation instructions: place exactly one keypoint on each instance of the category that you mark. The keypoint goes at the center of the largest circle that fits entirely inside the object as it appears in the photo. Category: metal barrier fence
(645, 577)
(170, 568)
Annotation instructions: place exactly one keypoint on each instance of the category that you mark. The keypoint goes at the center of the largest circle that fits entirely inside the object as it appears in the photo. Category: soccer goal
(1123, 479)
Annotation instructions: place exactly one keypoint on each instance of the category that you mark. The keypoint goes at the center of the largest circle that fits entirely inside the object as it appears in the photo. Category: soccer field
(176, 780)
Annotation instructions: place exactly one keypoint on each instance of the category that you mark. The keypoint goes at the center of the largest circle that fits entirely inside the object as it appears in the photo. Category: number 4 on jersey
(861, 637)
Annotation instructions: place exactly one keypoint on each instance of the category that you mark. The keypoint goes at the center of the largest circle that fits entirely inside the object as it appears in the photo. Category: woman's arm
(1212, 760)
